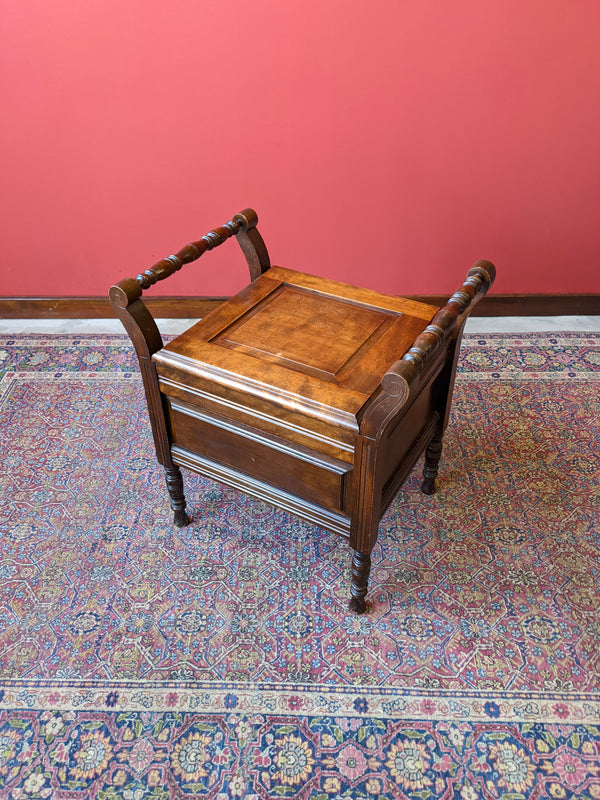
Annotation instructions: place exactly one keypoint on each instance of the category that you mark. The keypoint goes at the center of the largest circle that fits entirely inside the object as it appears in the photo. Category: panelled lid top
(300, 340)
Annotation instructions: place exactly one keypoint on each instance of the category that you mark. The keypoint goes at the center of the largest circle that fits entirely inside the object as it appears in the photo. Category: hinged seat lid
(315, 346)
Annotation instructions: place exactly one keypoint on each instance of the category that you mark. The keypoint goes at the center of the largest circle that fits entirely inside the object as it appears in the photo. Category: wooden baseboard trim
(529, 305)
(100, 307)
(508, 305)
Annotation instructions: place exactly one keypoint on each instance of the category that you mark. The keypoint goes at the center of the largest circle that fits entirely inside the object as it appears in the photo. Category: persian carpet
(139, 661)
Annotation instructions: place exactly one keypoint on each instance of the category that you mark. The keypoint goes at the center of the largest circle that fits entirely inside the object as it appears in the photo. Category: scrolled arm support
(125, 297)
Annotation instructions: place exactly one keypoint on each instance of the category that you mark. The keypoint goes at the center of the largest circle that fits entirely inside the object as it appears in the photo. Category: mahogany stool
(312, 395)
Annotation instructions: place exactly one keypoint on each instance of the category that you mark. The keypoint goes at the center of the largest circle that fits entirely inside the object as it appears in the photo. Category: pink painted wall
(386, 143)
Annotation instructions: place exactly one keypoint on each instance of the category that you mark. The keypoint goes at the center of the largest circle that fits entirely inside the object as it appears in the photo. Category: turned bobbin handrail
(414, 361)
(242, 226)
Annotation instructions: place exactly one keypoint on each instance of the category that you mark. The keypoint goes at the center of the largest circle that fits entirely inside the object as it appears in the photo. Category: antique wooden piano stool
(312, 395)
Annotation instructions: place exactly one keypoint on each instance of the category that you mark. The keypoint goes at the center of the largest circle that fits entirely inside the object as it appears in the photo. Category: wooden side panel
(418, 422)
(412, 451)
(405, 433)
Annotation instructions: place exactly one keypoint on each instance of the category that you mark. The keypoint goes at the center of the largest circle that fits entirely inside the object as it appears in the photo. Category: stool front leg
(175, 486)
(365, 514)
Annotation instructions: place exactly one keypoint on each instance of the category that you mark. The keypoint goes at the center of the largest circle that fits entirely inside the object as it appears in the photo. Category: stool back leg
(433, 454)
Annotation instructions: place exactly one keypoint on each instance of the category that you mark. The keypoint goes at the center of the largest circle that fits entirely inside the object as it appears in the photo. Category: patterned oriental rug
(140, 661)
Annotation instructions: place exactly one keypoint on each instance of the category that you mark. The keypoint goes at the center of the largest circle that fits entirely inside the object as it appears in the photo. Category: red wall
(387, 143)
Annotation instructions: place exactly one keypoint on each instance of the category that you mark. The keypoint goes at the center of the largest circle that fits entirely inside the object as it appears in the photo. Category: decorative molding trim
(495, 305)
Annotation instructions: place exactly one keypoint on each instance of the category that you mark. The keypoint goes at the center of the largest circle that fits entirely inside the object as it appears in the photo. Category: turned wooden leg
(361, 566)
(175, 487)
(432, 461)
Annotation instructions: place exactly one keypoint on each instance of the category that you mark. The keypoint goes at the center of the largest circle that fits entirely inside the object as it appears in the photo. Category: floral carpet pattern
(138, 660)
